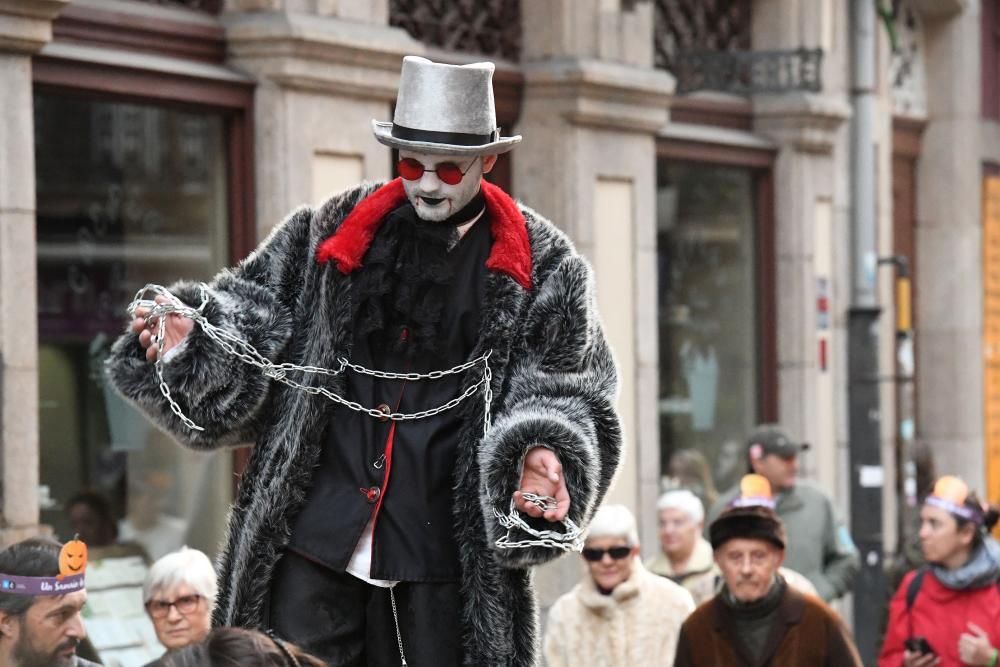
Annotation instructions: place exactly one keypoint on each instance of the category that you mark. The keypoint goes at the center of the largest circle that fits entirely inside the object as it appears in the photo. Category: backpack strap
(914, 587)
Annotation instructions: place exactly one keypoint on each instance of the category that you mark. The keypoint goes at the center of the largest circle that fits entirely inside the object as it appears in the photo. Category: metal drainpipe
(863, 375)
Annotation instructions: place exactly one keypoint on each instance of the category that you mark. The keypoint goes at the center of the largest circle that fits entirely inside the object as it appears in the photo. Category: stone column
(949, 250)
(324, 70)
(25, 27)
(812, 232)
(592, 107)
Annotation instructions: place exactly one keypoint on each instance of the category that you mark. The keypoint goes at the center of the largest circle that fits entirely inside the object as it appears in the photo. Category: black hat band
(435, 137)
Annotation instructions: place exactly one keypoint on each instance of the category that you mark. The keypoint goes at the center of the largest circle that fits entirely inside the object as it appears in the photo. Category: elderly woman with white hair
(179, 595)
(686, 556)
(619, 613)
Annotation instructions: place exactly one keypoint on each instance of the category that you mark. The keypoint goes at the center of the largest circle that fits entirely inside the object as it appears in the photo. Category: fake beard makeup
(435, 200)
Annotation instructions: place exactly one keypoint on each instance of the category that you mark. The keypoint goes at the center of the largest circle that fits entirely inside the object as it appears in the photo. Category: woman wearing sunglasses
(947, 613)
(179, 594)
(620, 613)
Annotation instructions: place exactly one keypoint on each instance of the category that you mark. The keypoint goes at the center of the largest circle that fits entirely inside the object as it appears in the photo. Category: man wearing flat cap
(757, 619)
(457, 424)
(819, 545)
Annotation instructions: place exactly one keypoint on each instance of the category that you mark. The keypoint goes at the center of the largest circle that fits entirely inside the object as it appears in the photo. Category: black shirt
(414, 533)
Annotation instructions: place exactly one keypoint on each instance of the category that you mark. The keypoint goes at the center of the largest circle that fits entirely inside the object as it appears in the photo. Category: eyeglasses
(616, 553)
(448, 172)
(185, 605)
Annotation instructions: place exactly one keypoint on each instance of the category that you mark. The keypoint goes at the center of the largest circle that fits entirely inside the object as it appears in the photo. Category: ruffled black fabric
(400, 295)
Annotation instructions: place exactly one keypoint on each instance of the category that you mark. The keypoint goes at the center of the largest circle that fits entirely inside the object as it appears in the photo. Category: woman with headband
(947, 613)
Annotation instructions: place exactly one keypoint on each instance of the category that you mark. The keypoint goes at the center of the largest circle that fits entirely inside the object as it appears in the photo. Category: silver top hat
(444, 109)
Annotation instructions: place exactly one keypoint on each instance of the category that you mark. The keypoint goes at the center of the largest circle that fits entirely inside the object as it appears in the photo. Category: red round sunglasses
(448, 172)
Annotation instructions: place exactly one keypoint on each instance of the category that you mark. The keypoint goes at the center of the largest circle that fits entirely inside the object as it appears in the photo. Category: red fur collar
(511, 253)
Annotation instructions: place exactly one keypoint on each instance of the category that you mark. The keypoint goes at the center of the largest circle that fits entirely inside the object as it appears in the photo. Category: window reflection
(127, 194)
(707, 322)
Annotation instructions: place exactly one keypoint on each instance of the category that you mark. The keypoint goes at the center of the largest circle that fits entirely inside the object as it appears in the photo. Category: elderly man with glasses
(179, 594)
(423, 372)
(619, 613)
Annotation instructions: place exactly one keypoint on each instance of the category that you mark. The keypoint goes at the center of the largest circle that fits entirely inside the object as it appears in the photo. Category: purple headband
(34, 586)
(753, 501)
(961, 511)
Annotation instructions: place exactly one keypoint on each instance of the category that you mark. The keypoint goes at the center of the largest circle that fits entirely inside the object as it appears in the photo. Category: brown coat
(807, 632)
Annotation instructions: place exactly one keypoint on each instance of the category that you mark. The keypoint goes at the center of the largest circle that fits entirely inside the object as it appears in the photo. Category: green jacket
(819, 545)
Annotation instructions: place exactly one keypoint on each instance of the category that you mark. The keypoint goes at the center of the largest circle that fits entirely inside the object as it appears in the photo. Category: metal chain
(399, 637)
(570, 540)
(246, 353)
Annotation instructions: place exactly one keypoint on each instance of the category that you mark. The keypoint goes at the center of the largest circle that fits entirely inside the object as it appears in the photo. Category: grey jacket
(553, 378)
(819, 545)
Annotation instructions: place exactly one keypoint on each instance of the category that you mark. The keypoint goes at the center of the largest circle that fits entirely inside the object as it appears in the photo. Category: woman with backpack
(947, 613)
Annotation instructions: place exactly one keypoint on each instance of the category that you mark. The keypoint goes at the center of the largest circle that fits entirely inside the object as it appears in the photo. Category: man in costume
(458, 400)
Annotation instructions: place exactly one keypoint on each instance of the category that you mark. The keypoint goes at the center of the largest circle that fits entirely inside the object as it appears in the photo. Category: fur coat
(553, 378)
(636, 626)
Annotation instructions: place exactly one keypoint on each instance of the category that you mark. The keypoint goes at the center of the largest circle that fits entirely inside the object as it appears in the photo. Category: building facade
(144, 141)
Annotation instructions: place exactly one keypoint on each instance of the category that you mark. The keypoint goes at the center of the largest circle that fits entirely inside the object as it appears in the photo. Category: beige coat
(636, 626)
(700, 576)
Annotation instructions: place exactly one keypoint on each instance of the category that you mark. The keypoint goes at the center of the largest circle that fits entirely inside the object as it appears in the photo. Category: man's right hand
(178, 328)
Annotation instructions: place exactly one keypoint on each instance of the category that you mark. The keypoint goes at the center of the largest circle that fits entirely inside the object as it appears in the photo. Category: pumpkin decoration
(755, 486)
(72, 558)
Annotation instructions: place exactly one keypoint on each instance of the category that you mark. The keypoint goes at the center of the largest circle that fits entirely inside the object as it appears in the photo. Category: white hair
(614, 521)
(683, 500)
(186, 566)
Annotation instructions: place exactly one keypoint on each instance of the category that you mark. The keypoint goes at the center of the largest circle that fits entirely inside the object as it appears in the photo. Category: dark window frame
(990, 53)
(761, 163)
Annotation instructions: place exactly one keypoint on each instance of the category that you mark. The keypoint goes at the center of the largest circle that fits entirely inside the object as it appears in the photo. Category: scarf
(982, 568)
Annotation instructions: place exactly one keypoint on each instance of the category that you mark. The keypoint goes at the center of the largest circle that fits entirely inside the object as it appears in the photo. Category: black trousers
(349, 623)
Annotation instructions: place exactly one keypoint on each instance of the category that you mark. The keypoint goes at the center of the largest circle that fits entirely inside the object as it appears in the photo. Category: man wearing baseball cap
(819, 545)
(757, 618)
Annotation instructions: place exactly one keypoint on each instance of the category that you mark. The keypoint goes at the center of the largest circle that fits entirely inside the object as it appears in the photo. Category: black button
(385, 410)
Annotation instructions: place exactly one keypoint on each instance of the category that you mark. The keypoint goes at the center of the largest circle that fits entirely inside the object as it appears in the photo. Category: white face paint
(435, 200)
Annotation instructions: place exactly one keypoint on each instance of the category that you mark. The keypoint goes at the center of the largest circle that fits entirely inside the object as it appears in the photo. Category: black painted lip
(431, 201)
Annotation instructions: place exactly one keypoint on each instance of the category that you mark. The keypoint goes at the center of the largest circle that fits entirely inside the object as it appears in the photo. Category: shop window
(709, 370)
(127, 194)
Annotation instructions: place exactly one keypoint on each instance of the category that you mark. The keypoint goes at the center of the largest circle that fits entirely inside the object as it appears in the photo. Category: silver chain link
(399, 637)
(246, 353)
(569, 540)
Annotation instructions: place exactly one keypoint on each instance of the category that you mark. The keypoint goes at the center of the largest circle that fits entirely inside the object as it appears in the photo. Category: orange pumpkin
(755, 486)
(72, 558)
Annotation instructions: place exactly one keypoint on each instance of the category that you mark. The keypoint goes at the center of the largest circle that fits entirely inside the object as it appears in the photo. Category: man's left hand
(542, 475)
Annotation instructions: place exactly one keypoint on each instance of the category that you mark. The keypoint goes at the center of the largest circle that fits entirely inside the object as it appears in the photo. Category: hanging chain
(246, 353)
(570, 540)
(395, 617)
